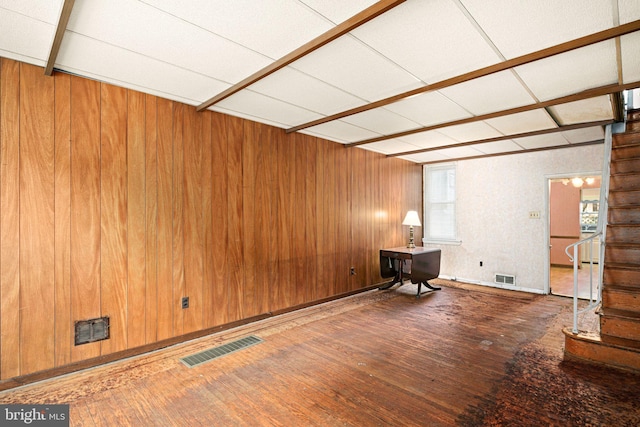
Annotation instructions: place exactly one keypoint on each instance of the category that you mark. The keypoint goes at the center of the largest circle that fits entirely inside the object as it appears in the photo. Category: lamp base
(411, 244)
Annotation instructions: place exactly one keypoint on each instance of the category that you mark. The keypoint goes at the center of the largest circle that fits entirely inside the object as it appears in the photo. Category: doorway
(573, 216)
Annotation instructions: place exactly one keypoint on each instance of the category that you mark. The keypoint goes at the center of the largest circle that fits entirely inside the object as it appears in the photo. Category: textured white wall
(494, 198)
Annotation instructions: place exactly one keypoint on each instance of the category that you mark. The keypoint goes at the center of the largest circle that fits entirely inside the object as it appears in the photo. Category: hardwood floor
(464, 355)
(561, 281)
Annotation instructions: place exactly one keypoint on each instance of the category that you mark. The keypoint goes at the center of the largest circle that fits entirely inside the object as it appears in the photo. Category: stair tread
(616, 312)
(621, 266)
(612, 287)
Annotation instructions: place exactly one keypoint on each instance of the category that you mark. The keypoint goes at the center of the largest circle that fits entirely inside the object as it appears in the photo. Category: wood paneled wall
(116, 203)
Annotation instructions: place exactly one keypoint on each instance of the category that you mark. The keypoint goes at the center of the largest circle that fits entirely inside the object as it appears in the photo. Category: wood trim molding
(355, 21)
(589, 93)
(506, 137)
(502, 66)
(65, 13)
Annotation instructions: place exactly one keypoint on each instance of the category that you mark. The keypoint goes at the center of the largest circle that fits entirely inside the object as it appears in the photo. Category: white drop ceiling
(450, 79)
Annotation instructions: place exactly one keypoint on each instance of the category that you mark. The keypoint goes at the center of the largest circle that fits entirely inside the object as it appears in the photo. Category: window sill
(442, 242)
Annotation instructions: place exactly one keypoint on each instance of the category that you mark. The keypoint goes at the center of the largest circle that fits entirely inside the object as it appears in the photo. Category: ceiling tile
(428, 139)
(586, 110)
(382, 121)
(297, 88)
(541, 141)
(497, 147)
(470, 132)
(584, 135)
(523, 122)
(390, 146)
(338, 11)
(522, 27)
(447, 43)
(340, 131)
(429, 109)
(630, 52)
(45, 11)
(348, 64)
(271, 27)
(24, 38)
(458, 152)
(629, 10)
(431, 156)
(495, 92)
(571, 72)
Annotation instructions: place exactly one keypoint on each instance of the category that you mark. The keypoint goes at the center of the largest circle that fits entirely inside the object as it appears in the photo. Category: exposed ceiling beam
(507, 137)
(590, 93)
(350, 24)
(491, 69)
(506, 153)
(65, 13)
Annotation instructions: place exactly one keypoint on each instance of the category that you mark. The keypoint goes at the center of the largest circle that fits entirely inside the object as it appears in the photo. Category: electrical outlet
(352, 271)
(185, 302)
(534, 214)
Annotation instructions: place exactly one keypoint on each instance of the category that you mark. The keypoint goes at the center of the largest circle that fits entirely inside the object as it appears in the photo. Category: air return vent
(222, 350)
(505, 279)
(91, 330)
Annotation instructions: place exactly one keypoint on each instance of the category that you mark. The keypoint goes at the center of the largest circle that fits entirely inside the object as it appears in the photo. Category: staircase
(618, 343)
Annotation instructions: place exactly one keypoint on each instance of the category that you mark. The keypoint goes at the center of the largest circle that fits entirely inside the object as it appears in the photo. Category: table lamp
(412, 220)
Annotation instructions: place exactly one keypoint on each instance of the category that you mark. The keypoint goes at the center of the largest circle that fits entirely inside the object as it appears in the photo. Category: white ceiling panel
(630, 52)
(522, 122)
(341, 131)
(271, 27)
(629, 10)
(460, 152)
(586, 110)
(46, 11)
(470, 132)
(497, 147)
(25, 38)
(390, 146)
(541, 141)
(584, 135)
(430, 156)
(428, 139)
(521, 27)
(382, 121)
(165, 38)
(571, 72)
(105, 62)
(429, 109)
(495, 92)
(447, 42)
(263, 107)
(338, 11)
(297, 88)
(348, 64)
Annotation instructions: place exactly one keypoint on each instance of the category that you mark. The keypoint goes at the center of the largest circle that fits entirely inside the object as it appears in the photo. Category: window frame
(427, 205)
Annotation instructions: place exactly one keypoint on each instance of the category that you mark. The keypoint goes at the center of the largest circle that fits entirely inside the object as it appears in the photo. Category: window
(440, 204)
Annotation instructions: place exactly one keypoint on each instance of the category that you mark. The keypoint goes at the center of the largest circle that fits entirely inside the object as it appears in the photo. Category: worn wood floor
(465, 355)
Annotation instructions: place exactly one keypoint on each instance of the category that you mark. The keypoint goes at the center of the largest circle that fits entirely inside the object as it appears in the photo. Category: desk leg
(396, 279)
(425, 283)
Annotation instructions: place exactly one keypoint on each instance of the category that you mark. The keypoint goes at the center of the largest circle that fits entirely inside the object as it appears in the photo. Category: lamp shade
(412, 218)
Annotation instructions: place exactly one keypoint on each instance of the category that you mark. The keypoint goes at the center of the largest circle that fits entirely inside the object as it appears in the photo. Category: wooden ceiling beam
(590, 93)
(65, 13)
(482, 72)
(350, 24)
(507, 137)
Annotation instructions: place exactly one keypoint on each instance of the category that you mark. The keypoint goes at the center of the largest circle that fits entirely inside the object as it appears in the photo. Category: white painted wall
(494, 198)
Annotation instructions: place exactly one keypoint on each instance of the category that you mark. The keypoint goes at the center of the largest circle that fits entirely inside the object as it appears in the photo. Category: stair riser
(601, 353)
(624, 216)
(633, 115)
(625, 166)
(623, 234)
(629, 152)
(627, 182)
(627, 278)
(620, 300)
(622, 255)
(620, 327)
(624, 139)
(623, 198)
(632, 126)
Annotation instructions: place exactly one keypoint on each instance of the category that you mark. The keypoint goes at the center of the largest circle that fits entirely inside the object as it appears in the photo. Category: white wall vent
(505, 279)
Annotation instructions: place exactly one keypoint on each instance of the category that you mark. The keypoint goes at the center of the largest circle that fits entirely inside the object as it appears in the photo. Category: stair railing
(601, 231)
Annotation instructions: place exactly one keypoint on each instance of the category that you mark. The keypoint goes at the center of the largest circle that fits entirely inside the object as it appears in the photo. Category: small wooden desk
(418, 264)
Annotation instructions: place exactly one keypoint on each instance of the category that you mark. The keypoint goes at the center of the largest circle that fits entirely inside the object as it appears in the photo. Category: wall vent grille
(91, 330)
(222, 350)
(505, 279)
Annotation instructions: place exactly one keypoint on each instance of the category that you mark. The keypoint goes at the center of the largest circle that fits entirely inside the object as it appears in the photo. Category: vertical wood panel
(151, 217)
(310, 165)
(286, 155)
(136, 289)
(208, 290)
(165, 219)
(220, 228)
(274, 282)
(250, 218)
(193, 243)
(113, 215)
(36, 220)
(85, 207)
(235, 261)
(320, 289)
(329, 226)
(343, 219)
(62, 302)
(9, 218)
(178, 218)
(300, 244)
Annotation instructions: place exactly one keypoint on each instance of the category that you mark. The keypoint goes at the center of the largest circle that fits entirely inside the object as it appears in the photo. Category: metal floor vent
(506, 279)
(215, 352)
